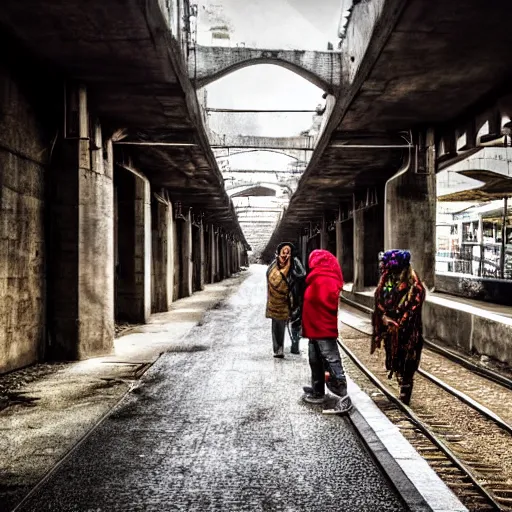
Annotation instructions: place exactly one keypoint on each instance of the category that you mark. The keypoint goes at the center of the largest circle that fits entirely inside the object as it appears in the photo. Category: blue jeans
(325, 356)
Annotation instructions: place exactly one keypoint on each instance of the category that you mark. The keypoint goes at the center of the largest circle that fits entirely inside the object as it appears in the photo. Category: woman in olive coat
(285, 288)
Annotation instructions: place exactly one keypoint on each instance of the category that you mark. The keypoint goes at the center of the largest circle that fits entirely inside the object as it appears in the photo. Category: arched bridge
(299, 147)
(256, 188)
(323, 69)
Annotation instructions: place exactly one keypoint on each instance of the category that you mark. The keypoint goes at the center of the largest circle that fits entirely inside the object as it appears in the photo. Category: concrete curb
(415, 481)
(405, 488)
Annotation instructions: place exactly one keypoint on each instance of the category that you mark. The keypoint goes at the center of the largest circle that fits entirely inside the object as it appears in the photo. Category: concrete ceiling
(440, 59)
(123, 52)
(427, 63)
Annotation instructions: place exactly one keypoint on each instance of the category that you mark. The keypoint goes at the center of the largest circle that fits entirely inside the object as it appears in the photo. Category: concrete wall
(25, 142)
(186, 263)
(198, 258)
(468, 328)
(498, 291)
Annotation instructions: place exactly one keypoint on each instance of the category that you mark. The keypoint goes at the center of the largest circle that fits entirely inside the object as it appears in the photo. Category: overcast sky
(273, 24)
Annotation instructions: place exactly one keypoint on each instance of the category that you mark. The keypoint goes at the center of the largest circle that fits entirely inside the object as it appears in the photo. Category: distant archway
(259, 188)
(322, 69)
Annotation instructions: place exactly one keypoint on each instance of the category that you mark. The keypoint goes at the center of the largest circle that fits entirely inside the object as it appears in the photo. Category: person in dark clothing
(396, 318)
(285, 285)
(320, 325)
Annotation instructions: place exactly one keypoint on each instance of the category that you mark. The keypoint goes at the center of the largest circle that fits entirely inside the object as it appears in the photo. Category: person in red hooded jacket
(320, 325)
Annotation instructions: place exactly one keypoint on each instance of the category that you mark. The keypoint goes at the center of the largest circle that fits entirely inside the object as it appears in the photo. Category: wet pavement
(220, 425)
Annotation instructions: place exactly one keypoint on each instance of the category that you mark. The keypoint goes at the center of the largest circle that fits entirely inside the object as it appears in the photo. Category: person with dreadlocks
(285, 285)
(396, 318)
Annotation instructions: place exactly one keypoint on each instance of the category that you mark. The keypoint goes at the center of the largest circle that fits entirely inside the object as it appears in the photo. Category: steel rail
(478, 407)
(484, 411)
(449, 354)
(421, 426)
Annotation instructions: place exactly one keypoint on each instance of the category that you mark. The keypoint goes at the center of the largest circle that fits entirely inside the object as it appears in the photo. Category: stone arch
(255, 190)
(241, 189)
(291, 153)
(322, 69)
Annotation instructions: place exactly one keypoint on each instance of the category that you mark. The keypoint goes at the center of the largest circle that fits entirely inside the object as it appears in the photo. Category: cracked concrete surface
(46, 409)
(219, 425)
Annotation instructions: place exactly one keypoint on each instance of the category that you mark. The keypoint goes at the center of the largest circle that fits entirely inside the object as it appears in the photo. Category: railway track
(459, 419)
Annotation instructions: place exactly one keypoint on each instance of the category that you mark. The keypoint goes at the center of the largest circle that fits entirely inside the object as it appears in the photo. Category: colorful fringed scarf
(400, 296)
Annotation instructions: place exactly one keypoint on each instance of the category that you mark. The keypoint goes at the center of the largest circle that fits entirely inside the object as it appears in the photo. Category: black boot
(295, 347)
(406, 393)
(311, 397)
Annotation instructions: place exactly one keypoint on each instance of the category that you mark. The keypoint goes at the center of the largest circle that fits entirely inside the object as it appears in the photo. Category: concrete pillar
(163, 256)
(143, 248)
(213, 254)
(304, 249)
(373, 242)
(323, 234)
(186, 256)
(222, 257)
(358, 250)
(199, 260)
(133, 247)
(81, 261)
(225, 260)
(176, 237)
(410, 209)
(339, 239)
(229, 258)
(218, 258)
(347, 250)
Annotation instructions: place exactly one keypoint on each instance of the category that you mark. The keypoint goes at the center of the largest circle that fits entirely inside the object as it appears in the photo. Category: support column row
(115, 249)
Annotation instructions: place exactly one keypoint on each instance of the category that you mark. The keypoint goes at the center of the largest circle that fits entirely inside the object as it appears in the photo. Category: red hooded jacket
(320, 309)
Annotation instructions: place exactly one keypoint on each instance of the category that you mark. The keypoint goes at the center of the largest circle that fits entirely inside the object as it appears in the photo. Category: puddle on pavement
(189, 348)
